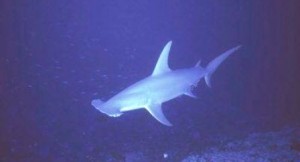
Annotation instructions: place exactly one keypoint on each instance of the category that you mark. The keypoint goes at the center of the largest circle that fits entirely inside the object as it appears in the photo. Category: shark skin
(163, 85)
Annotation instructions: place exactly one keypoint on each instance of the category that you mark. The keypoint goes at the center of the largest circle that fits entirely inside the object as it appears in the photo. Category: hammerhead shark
(161, 86)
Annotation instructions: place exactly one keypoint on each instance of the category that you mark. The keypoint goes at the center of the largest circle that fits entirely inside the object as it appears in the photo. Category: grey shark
(161, 86)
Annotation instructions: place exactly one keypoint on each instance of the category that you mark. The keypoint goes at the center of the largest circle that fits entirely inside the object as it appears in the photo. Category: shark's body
(163, 85)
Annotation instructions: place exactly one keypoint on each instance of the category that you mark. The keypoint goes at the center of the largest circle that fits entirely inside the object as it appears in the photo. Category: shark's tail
(214, 64)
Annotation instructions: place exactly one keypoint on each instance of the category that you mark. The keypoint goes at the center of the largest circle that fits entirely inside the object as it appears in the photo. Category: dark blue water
(56, 56)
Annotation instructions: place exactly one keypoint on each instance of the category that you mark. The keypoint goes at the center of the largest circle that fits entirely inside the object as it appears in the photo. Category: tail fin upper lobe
(214, 64)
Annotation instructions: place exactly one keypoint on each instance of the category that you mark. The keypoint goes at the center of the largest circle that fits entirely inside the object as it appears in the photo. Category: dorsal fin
(162, 62)
(198, 64)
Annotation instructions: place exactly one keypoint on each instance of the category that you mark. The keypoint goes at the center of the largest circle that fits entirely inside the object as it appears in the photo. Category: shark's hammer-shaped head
(106, 109)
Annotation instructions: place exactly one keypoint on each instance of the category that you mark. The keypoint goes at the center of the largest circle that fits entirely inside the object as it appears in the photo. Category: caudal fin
(214, 64)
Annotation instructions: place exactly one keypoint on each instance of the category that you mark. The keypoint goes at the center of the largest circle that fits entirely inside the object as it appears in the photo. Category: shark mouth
(115, 115)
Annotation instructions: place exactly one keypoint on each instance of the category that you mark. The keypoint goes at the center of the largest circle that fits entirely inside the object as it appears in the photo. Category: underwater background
(57, 56)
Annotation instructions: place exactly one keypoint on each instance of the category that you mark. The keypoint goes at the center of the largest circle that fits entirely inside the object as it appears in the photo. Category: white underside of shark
(163, 85)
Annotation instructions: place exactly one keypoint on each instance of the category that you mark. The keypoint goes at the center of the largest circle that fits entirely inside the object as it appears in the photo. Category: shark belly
(168, 86)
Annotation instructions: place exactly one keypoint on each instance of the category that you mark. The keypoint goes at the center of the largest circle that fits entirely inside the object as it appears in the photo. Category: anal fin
(190, 94)
(156, 111)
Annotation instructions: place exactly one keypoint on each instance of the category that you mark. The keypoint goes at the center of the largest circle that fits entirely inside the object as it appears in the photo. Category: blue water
(56, 56)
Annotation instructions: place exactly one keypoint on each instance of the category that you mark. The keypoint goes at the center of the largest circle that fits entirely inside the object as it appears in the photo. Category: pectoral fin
(156, 111)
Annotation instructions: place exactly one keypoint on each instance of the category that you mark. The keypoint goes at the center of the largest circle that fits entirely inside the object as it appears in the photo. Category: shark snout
(110, 111)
